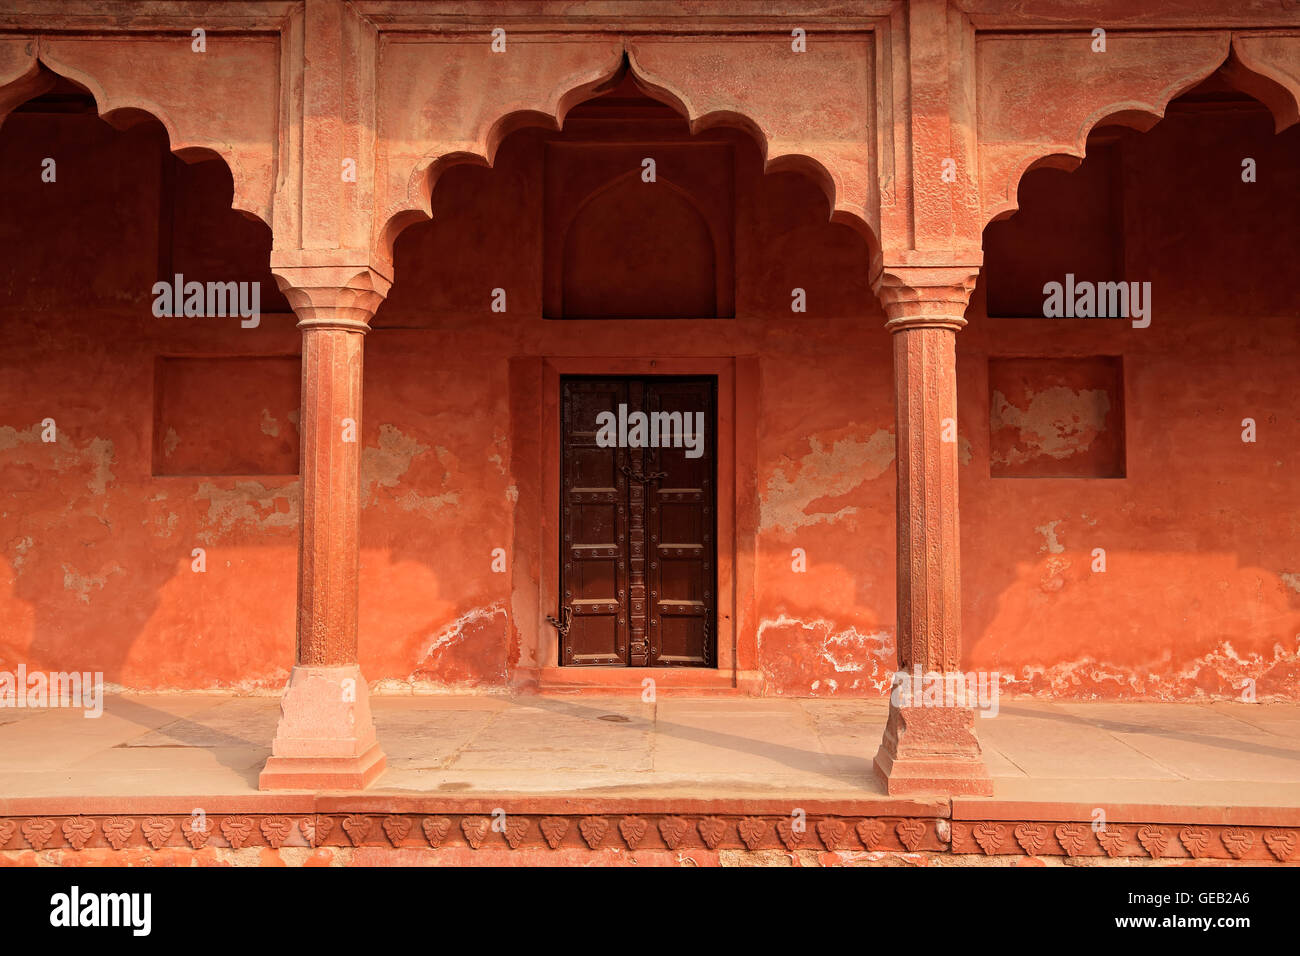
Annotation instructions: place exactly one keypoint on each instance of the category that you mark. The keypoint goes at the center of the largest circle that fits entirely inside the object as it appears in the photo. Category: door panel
(681, 529)
(638, 549)
(594, 566)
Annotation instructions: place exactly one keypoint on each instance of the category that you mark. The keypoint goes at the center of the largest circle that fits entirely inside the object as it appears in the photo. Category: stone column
(326, 737)
(928, 748)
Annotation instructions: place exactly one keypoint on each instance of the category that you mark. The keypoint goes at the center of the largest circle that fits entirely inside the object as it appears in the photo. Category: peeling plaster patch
(1053, 578)
(963, 450)
(269, 424)
(513, 493)
(248, 503)
(1092, 679)
(102, 454)
(21, 546)
(464, 651)
(846, 651)
(1058, 423)
(824, 473)
(850, 642)
(293, 417)
(11, 437)
(456, 630)
(1292, 581)
(384, 466)
(429, 504)
(165, 526)
(1048, 531)
(170, 441)
(74, 581)
(98, 453)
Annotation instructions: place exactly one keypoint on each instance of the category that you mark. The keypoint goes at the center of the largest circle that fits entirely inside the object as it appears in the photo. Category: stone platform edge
(575, 824)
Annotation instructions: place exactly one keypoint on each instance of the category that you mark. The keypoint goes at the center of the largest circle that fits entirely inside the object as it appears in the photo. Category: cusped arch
(125, 111)
(39, 76)
(1142, 115)
(846, 200)
(227, 114)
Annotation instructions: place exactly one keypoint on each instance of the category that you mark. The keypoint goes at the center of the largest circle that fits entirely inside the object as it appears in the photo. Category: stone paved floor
(1209, 754)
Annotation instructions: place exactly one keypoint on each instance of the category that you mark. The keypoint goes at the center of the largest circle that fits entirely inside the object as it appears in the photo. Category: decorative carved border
(1144, 840)
(513, 831)
(653, 831)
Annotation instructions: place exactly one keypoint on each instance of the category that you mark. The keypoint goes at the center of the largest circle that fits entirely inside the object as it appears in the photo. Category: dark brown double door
(637, 550)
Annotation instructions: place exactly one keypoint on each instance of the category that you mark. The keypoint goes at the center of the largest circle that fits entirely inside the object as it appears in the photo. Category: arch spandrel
(211, 104)
(806, 115)
(812, 114)
(21, 76)
(443, 102)
(1276, 59)
(1041, 95)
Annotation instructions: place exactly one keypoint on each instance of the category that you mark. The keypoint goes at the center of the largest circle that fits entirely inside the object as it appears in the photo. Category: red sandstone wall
(1202, 587)
(95, 549)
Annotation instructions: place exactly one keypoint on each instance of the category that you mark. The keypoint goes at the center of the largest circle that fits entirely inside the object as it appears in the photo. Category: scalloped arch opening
(1231, 75)
(126, 196)
(628, 77)
(722, 232)
(69, 90)
(1182, 176)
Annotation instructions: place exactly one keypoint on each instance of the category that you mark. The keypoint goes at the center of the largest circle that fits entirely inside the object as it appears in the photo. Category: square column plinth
(929, 750)
(326, 737)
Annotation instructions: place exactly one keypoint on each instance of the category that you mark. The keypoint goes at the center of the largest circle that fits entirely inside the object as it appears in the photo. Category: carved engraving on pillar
(326, 735)
(928, 748)
(925, 306)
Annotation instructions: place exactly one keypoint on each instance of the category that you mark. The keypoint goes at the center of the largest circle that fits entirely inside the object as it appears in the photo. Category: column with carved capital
(928, 747)
(326, 736)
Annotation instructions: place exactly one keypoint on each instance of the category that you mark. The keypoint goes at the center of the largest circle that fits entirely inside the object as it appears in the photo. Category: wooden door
(638, 542)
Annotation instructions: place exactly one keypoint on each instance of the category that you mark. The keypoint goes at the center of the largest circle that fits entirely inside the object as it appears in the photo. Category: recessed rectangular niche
(620, 247)
(226, 416)
(1056, 417)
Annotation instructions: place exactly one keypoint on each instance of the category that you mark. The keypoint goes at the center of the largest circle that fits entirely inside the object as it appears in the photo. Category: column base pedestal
(927, 750)
(326, 737)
